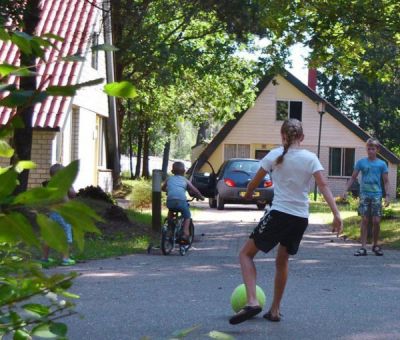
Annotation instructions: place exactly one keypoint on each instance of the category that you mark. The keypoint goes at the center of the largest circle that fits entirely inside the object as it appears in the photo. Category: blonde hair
(293, 131)
(373, 142)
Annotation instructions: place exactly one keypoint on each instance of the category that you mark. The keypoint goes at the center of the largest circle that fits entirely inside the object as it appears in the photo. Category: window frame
(288, 105)
(346, 169)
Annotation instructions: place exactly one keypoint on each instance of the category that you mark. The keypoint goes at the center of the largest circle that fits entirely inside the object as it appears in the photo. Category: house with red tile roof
(70, 128)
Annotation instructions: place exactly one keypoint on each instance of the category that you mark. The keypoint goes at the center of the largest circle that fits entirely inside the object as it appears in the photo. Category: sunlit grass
(390, 226)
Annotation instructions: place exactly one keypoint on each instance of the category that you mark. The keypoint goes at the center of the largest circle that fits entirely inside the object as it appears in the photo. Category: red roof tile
(73, 21)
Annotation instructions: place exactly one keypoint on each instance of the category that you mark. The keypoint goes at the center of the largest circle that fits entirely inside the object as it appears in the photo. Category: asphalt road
(330, 293)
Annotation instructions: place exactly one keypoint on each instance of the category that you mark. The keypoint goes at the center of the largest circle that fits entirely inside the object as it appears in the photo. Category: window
(95, 52)
(288, 109)
(341, 161)
(236, 151)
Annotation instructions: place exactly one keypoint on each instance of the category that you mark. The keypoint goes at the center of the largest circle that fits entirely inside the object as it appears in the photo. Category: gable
(259, 123)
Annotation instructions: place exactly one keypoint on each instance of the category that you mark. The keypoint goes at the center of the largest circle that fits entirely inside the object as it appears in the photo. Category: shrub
(96, 193)
(141, 194)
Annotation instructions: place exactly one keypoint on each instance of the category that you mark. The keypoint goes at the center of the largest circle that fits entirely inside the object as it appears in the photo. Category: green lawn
(390, 223)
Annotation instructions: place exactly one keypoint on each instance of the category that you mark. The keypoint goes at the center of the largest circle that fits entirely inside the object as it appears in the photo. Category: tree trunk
(201, 133)
(22, 139)
(146, 152)
(167, 148)
(139, 151)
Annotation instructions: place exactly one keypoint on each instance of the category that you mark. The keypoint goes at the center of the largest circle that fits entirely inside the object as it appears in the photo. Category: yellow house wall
(259, 128)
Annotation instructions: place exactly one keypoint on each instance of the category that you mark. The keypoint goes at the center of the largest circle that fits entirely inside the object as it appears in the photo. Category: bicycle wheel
(167, 239)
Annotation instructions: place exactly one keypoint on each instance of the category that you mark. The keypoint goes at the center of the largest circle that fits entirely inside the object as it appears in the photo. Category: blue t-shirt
(371, 172)
(176, 188)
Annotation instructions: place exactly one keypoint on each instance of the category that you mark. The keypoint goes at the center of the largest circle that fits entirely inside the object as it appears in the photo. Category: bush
(141, 194)
(96, 193)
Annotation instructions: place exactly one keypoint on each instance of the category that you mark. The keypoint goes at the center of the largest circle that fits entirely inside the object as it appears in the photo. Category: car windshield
(245, 166)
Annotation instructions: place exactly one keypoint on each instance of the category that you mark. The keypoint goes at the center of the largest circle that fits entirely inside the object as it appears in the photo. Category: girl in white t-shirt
(291, 169)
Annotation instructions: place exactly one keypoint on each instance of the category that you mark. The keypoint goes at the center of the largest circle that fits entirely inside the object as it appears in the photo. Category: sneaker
(48, 261)
(68, 262)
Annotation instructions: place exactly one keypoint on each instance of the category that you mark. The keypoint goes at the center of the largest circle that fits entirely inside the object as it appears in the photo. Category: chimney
(312, 79)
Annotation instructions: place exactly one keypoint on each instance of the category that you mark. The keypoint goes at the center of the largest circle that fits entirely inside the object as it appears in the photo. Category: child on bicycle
(176, 187)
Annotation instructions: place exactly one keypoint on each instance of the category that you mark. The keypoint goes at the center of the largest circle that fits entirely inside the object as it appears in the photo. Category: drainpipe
(112, 124)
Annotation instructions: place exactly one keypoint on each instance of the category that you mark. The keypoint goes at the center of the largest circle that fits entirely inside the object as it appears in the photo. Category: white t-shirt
(291, 179)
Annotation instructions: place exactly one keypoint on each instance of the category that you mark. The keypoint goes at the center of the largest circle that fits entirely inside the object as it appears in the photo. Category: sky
(299, 66)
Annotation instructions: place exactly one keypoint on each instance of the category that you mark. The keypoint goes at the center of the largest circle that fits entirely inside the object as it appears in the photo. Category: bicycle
(172, 232)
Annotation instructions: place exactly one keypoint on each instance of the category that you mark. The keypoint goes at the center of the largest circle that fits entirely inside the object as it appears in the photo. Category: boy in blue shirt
(176, 187)
(373, 170)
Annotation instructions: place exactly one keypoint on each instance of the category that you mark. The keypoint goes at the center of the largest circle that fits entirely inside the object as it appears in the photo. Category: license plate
(255, 194)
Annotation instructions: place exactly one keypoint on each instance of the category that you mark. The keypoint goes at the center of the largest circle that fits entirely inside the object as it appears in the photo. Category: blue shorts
(179, 205)
(370, 206)
(56, 217)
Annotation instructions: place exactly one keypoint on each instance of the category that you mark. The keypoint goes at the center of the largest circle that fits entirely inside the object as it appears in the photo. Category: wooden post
(156, 200)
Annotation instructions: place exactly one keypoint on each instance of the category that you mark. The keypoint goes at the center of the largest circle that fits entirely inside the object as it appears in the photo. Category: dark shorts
(370, 206)
(278, 227)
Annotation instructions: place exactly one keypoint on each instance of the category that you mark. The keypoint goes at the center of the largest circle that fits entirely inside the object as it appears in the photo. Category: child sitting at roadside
(176, 187)
(56, 217)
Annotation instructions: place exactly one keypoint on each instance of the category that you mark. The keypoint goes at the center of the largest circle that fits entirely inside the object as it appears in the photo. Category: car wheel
(212, 202)
(261, 206)
(220, 202)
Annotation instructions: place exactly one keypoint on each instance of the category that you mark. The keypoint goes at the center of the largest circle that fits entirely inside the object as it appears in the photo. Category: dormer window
(286, 109)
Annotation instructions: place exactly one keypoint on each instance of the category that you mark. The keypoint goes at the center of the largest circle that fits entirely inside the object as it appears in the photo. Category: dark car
(229, 184)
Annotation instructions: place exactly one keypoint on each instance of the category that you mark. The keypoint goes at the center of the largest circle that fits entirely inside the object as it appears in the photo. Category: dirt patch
(116, 223)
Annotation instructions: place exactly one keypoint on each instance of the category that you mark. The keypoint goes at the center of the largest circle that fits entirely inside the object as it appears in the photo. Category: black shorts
(278, 227)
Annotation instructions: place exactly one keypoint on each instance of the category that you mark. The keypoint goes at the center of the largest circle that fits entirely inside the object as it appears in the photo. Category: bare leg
(186, 224)
(249, 272)
(376, 228)
(364, 231)
(281, 275)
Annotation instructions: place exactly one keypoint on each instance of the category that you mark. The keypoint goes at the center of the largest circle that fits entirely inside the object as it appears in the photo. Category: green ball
(239, 297)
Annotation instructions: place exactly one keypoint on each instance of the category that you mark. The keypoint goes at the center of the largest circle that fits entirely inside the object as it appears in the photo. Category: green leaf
(73, 58)
(24, 165)
(184, 332)
(52, 233)
(66, 91)
(6, 69)
(6, 150)
(53, 36)
(21, 98)
(105, 47)
(7, 235)
(20, 225)
(69, 295)
(8, 182)
(220, 335)
(39, 196)
(36, 309)
(123, 89)
(7, 87)
(78, 220)
(6, 292)
(65, 177)
(59, 328)
(43, 331)
(4, 35)
(23, 41)
(21, 335)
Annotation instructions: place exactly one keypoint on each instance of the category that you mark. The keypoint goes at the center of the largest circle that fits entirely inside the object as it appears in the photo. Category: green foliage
(24, 221)
(141, 196)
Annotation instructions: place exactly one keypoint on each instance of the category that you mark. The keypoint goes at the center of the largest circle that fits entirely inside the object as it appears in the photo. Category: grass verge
(390, 223)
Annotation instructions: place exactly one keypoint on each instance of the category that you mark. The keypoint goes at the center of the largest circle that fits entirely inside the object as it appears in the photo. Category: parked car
(229, 184)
